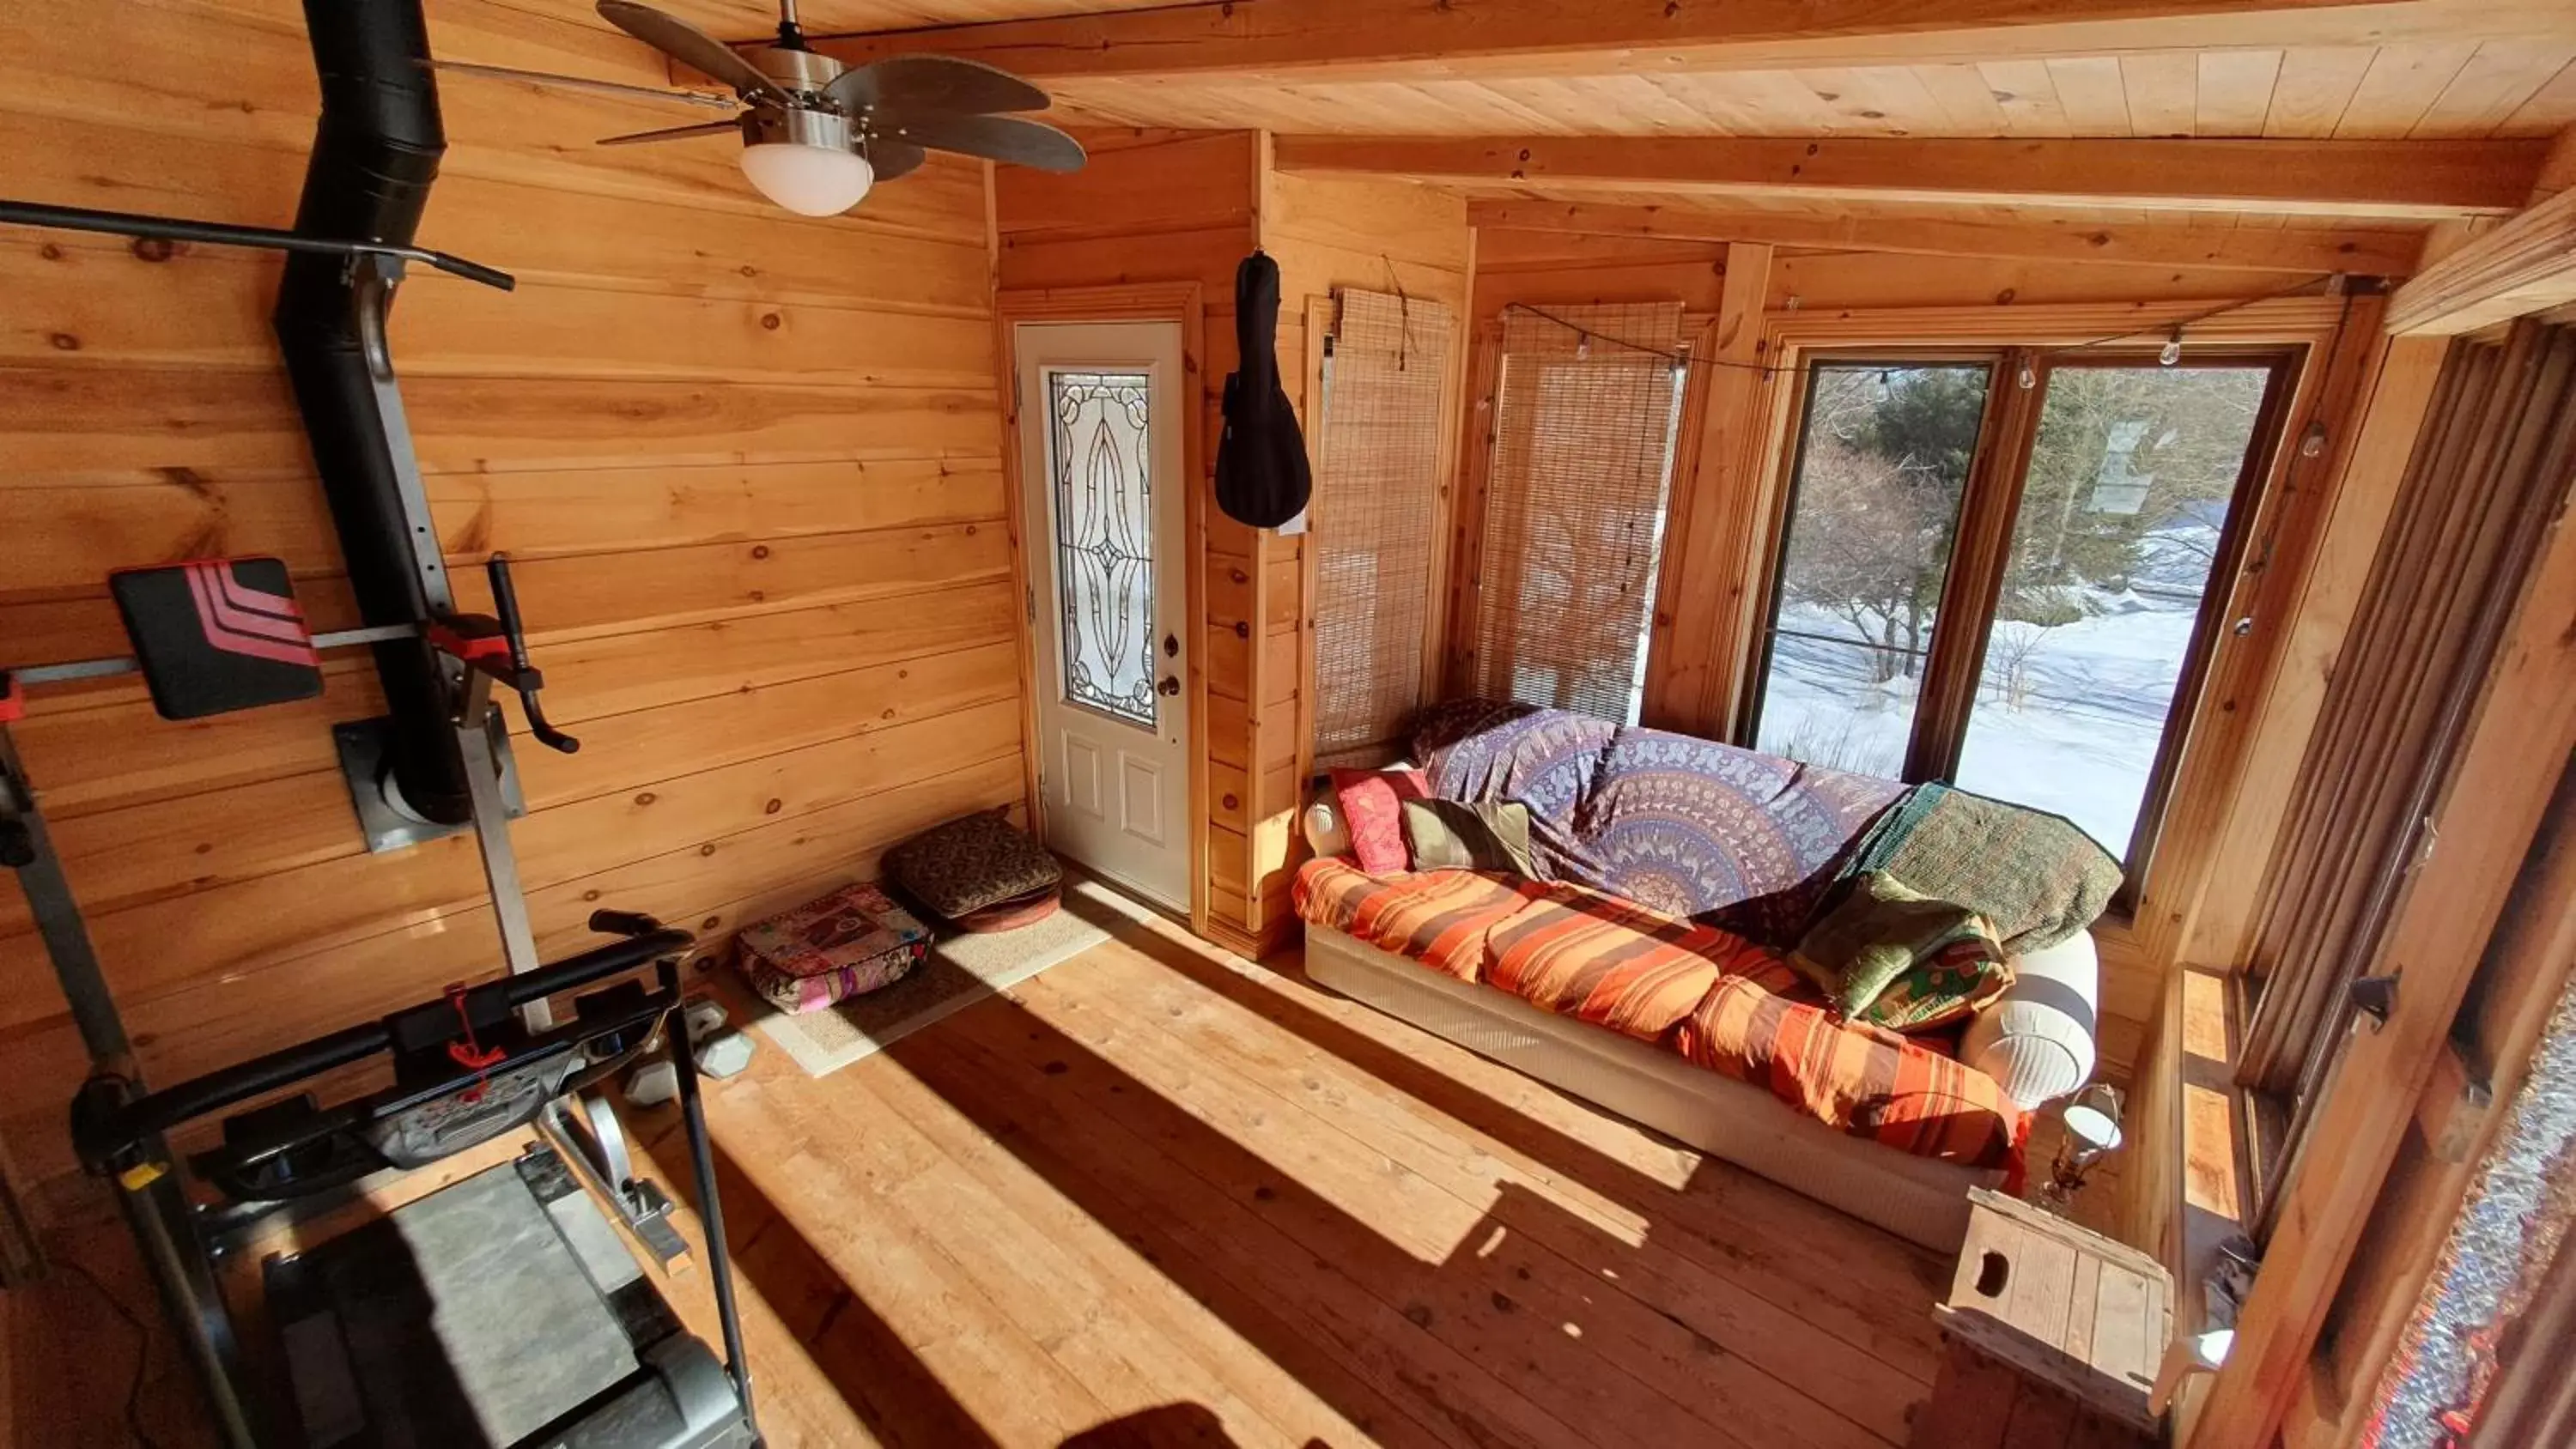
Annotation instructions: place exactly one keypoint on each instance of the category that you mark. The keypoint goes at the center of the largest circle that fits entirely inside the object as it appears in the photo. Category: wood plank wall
(1327, 233)
(1171, 206)
(719, 440)
(1159, 206)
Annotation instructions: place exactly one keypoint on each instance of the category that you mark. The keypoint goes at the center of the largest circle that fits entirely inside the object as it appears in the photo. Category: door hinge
(1015, 394)
(1033, 605)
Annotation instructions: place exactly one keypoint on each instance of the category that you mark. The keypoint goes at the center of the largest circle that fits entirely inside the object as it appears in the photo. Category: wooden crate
(2054, 1335)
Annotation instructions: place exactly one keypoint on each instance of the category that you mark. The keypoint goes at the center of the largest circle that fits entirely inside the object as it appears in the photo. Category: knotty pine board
(750, 464)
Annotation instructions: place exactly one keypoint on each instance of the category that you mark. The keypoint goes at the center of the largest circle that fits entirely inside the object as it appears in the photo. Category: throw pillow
(1453, 835)
(1373, 807)
(1889, 955)
(1944, 989)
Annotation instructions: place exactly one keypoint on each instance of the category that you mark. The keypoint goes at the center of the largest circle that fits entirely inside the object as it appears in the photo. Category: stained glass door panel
(1101, 460)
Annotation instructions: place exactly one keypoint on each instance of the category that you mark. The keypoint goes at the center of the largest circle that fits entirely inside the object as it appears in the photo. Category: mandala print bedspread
(1684, 825)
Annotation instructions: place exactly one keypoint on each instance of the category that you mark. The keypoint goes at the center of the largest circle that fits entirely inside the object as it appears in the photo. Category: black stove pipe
(375, 155)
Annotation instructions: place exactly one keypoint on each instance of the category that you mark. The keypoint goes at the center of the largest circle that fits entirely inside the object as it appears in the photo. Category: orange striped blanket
(1714, 998)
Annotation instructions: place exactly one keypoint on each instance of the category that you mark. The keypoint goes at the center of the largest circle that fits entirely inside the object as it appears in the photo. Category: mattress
(1918, 1198)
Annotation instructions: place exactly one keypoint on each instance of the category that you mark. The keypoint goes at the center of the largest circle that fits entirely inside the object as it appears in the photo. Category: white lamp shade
(808, 180)
(2093, 1117)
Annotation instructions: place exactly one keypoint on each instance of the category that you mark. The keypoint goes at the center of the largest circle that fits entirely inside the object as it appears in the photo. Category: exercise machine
(501, 1309)
(517, 1305)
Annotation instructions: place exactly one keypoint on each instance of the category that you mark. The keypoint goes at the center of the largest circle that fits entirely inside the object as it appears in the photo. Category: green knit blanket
(2035, 876)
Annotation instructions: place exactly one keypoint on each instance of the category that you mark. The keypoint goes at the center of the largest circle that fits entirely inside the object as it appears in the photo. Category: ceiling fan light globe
(806, 179)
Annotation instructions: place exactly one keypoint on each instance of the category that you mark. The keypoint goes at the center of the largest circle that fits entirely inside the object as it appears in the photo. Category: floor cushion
(845, 944)
(966, 865)
(1012, 914)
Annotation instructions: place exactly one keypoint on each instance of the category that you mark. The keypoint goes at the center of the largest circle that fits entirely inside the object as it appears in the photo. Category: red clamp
(469, 1053)
(13, 699)
(446, 639)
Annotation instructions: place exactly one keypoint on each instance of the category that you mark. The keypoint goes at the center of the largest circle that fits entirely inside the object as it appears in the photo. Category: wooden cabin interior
(2204, 369)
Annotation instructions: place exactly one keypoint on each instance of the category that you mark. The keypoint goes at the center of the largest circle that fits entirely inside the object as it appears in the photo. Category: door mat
(959, 971)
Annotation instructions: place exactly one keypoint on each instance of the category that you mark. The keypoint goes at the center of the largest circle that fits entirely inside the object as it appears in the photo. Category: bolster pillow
(2037, 1039)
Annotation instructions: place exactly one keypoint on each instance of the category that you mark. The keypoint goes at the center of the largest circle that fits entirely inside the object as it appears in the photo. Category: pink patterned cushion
(1373, 804)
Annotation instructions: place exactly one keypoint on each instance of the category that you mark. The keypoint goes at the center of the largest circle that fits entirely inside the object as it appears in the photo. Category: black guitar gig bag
(1261, 473)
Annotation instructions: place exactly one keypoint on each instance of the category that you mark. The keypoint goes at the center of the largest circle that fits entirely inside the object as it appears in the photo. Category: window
(2009, 588)
(2132, 482)
(1874, 506)
(1586, 403)
(1376, 507)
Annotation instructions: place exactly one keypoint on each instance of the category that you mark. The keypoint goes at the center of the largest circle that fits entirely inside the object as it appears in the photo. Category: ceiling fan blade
(916, 83)
(689, 45)
(996, 138)
(673, 133)
(585, 83)
(895, 158)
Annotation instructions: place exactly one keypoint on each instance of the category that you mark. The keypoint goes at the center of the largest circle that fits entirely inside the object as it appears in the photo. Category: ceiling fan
(817, 134)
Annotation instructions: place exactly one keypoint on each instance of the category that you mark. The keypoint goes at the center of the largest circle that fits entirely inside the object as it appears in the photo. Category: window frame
(1981, 547)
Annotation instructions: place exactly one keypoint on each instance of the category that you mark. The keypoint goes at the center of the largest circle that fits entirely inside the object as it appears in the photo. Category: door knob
(1171, 685)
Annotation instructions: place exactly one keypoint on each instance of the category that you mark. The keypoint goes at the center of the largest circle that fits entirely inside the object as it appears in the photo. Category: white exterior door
(1101, 475)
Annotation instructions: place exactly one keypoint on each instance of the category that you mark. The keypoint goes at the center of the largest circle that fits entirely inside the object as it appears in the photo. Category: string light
(1884, 391)
(2028, 378)
(2169, 355)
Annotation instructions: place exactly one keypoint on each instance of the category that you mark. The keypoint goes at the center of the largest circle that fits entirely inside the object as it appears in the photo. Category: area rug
(960, 971)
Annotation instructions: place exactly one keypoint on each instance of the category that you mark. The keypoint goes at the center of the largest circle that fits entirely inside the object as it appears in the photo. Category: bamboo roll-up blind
(1586, 403)
(1376, 509)
(2491, 469)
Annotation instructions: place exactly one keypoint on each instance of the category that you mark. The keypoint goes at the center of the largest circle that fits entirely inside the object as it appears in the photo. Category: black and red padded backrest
(217, 635)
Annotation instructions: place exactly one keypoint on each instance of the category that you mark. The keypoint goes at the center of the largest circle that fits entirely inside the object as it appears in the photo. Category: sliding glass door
(2004, 571)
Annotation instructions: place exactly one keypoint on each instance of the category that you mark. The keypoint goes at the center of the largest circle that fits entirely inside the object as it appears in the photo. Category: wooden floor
(1158, 1196)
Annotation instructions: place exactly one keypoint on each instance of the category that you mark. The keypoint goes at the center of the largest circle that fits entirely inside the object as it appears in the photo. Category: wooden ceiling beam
(2526, 265)
(2381, 253)
(1319, 40)
(2405, 180)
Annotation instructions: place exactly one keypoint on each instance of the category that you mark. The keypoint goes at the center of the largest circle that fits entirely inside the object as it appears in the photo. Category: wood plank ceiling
(2285, 71)
(2448, 70)
(2495, 88)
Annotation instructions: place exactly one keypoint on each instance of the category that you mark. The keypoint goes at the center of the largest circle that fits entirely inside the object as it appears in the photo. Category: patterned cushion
(965, 865)
(852, 941)
(1372, 803)
(1889, 955)
(1855, 1078)
(1607, 962)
